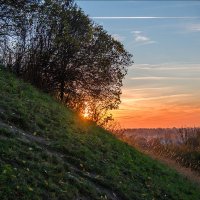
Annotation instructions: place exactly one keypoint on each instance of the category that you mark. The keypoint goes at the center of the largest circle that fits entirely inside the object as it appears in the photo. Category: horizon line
(164, 127)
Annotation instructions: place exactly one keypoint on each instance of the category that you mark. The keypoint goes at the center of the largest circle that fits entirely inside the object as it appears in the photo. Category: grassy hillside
(48, 152)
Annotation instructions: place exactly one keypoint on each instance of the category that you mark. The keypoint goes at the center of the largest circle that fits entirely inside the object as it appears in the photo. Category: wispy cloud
(156, 97)
(145, 17)
(140, 38)
(118, 37)
(136, 32)
(146, 88)
(163, 78)
(167, 66)
(194, 27)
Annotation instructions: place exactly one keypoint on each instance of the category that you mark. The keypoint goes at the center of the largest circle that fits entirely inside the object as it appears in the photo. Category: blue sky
(164, 38)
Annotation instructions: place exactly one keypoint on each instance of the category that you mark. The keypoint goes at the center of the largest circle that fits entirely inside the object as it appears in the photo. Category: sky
(162, 87)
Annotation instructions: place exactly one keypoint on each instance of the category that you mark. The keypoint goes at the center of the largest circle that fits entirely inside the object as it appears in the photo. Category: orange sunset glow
(160, 101)
(159, 117)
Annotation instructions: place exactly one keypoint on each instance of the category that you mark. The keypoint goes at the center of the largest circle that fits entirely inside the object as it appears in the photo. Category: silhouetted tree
(55, 46)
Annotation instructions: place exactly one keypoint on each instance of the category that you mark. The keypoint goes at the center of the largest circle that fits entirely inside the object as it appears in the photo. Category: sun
(86, 113)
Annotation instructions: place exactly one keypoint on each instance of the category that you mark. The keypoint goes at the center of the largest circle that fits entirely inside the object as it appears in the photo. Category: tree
(101, 74)
(56, 47)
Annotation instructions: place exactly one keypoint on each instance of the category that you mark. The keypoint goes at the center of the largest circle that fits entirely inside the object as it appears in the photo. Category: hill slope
(48, 152)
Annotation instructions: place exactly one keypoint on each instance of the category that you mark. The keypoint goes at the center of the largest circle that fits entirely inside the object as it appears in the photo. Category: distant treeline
(55, 46)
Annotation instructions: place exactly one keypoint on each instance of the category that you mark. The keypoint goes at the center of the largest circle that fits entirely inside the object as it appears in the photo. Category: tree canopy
(54, 45)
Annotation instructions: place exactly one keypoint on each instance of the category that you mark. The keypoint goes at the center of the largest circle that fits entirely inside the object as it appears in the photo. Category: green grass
(72, 157)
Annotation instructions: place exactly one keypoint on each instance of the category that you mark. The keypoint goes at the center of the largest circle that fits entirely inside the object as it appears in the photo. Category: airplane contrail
(146, 17)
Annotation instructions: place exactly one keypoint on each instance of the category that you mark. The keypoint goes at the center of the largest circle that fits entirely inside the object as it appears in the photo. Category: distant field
(179, 144)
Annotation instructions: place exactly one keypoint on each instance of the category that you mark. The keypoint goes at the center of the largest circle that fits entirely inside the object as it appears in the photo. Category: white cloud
(194, 27)
(118, 37)
(136, 32)
(141, 39)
